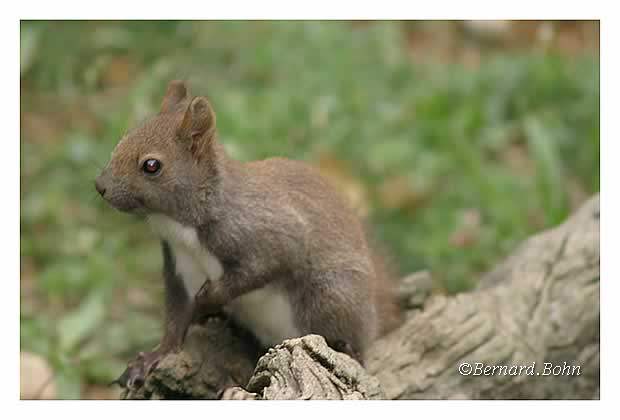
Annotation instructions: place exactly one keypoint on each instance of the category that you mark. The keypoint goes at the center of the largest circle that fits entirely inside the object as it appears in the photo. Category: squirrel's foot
(138, 369)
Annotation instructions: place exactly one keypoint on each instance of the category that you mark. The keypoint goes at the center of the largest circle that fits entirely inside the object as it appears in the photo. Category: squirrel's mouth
(126, 204)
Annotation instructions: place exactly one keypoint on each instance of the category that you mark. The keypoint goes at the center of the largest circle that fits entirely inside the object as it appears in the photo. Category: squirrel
(269, 242)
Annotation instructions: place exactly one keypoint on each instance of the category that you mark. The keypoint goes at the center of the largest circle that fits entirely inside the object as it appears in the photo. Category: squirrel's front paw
(205, 301)
(138, 369)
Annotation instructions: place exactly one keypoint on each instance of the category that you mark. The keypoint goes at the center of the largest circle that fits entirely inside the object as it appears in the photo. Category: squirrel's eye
(151, 166)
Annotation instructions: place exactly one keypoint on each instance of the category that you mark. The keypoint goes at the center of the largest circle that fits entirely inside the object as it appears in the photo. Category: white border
(308, 10)
(316, 9)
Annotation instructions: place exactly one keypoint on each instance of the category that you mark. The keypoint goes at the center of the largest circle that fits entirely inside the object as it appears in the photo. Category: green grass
(512, 144)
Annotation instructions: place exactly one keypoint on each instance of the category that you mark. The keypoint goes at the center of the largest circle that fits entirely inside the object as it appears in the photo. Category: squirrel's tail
(390, 313)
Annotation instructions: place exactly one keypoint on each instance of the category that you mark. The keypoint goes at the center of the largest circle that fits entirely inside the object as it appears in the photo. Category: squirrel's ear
(176, 92)
(198, 124)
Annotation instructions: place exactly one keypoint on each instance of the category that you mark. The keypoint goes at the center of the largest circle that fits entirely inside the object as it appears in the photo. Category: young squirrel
(269, 241)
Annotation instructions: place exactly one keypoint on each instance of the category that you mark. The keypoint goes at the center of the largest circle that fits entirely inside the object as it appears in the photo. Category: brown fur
(274, 221)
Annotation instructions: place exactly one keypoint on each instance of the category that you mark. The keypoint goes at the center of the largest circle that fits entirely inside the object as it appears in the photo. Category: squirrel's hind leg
(347, 321)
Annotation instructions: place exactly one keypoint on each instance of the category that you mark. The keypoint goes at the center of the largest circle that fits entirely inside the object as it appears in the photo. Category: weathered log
(216, 355)
(539, 306)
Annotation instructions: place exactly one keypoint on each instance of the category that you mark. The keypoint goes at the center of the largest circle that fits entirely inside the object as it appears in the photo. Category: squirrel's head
(168, 164)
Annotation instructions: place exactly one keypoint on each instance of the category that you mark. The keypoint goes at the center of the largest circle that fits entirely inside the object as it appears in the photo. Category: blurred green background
(456, 139)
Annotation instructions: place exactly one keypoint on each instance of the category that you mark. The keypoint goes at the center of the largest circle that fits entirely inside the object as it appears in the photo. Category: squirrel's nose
(99, 187)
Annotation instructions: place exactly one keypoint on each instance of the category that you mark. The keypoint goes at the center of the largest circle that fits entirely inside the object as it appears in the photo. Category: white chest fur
(194, 263)
(267, 312)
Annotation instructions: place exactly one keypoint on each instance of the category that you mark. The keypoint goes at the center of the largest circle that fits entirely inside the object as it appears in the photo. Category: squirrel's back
(311, 193)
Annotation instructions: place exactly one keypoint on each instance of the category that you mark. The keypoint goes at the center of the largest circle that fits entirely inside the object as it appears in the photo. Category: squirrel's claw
(138, 369)
(121, 380)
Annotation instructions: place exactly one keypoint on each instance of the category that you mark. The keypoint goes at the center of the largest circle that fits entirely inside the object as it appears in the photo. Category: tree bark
(540, 306)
